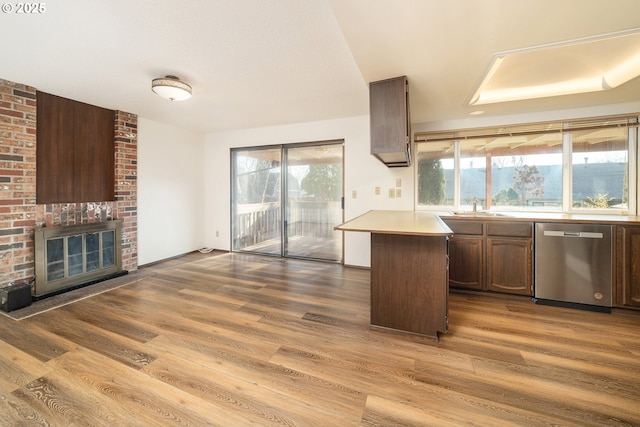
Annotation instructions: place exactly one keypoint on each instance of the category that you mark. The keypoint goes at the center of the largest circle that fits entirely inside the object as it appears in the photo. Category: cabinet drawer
(511, 229)
(473, 228)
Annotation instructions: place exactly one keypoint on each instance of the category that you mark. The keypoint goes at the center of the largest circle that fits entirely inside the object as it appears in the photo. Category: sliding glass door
(256, 220)
(287, 199)
(313, 203)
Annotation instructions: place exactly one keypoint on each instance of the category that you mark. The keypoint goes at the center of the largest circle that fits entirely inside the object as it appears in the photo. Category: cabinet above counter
(390, 122)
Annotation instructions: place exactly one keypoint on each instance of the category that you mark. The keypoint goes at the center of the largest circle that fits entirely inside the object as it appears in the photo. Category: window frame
(629, 121)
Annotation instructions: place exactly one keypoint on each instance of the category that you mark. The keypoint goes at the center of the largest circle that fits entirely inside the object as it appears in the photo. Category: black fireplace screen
(68, 255)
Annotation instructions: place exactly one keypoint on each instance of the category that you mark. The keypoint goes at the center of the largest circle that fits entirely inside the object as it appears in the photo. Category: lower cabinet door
(510, 265)
(466, 266)
(628, 267)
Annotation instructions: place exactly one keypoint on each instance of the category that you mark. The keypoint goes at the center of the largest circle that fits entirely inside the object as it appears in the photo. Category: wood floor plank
(333, 398)
(39, 344)
(218, 339)
(592, 398)
(17, 368)
(15, 412)
(139, 398)
(109, 321)
(64, 403)
(597, 367)
(241, 394)
(382, 412)
(113, 345)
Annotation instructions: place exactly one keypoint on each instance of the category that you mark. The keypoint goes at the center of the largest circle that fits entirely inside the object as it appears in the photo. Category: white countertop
(428, 223)
(547, 217)
(398, 222)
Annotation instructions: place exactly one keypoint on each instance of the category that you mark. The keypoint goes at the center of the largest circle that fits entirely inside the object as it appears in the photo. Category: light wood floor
(240, 340)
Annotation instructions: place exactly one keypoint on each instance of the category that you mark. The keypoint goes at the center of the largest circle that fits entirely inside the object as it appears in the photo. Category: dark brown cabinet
(76, 151)
(627, 291)
(466, 255)
(409, 270)
(510, 257)
(390, 122)
(497, 255)
(466, 262)
(409, 288)
(510, 265)
(492, 255)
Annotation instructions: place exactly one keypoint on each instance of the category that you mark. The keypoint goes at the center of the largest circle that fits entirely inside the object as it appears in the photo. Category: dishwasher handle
(583, 234)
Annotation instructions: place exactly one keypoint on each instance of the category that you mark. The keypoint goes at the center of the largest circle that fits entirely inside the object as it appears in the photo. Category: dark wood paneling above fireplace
(75, 154)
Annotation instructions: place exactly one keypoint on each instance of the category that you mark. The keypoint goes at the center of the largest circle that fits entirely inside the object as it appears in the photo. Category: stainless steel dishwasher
(573, 265)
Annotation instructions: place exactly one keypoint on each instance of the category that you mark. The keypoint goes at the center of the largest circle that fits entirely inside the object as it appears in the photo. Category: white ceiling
(256, 63)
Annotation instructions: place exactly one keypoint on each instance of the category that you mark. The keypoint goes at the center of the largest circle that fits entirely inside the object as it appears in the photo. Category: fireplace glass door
(74, 255)
(68, 256)
(55, 259)
(85, 253)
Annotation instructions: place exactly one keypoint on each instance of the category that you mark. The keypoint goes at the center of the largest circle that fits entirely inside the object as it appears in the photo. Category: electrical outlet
(217, 233)
(398, 182)
(398, 193)
(377, 190)
(354, 194)
(392, 193)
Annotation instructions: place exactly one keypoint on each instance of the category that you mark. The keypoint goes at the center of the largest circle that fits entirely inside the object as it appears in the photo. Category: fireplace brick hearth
(19, 213)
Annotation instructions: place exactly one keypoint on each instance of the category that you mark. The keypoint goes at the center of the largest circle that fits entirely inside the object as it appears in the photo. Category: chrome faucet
(475, 204)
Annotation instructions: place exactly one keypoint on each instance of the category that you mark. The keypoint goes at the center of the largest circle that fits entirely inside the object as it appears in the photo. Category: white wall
(362, 173)
(170, 191)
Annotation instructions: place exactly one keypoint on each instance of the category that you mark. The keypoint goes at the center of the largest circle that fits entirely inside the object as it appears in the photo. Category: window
(435, 174)
(521, 167)
(600, 167)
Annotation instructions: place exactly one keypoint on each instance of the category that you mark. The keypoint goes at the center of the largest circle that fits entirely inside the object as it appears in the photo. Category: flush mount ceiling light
(172, 88)
(577, 66)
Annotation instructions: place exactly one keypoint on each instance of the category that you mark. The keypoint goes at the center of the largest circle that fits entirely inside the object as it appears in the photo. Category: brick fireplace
(19, 213)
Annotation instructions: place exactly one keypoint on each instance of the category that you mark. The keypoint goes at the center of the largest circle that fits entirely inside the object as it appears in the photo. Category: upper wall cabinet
(390, 121)
(75, 157)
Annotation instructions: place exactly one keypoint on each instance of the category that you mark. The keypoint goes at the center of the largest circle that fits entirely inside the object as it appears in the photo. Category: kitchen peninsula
(409, 270)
